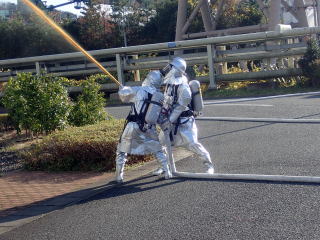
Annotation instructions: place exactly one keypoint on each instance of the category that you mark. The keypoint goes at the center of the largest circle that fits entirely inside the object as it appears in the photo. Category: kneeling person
(139, 137)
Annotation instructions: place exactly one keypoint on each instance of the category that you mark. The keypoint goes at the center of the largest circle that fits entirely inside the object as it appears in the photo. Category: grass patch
(10, 141)
(244, 92)
(87, 148)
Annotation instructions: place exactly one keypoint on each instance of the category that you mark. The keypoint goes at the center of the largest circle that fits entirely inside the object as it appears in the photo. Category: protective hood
(153, 79)
(149, 89)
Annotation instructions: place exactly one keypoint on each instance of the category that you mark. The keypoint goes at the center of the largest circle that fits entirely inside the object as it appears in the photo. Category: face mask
(164, 71)
(172, 74)
(145, 83)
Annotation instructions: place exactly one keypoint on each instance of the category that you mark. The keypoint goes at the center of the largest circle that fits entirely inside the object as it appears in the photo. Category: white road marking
(261, 98)
(275, 120)
(244, 104)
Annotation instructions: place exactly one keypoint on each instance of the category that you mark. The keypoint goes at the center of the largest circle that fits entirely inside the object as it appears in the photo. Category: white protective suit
(138, 137)
(177, 99)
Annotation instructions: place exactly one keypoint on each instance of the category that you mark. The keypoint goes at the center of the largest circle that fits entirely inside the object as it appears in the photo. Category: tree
(245, 13)
(23, 37)
(95, 28)
(130, 18)
(162, 26)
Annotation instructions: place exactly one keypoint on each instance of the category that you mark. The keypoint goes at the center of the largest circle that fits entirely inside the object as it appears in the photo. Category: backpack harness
(188, 113)
(139, 118)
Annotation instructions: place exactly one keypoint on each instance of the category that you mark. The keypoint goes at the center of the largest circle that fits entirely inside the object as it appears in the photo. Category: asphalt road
(148, 208)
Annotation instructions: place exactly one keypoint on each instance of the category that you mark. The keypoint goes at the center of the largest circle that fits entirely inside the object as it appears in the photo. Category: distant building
(7, 9)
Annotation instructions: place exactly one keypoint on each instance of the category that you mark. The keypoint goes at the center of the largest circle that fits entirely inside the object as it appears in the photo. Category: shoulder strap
(175, 93)
(143, 111)
(134, 109)
(145, 106)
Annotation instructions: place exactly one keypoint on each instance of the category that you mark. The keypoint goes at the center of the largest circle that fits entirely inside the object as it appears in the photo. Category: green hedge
(88, 148)
(89, 106)
(310, 63)
(40, 103)
(36, 103)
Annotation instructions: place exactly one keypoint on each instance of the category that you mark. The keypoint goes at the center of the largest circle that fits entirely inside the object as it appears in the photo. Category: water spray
(66, 36)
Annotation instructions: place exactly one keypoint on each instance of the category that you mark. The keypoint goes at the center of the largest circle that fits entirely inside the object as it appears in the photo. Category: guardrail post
(136, 73)
(120, 69)
(38, 68)
(223, 69)
(211, 54)
(243, 64)
(290, 59)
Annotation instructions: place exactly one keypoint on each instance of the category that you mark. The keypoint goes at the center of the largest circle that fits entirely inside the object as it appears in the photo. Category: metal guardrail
(203, 51)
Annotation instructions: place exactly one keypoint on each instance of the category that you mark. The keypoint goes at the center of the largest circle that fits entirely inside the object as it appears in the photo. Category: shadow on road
(108, 190)
(134, 186)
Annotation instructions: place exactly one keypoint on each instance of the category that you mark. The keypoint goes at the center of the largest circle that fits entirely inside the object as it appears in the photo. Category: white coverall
(184, 132)
(135, 139)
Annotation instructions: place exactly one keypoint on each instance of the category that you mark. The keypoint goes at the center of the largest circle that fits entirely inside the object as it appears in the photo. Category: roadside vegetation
(87, 148)
(310, 81)
(47, 130)
(310, 63)
(258, 92)
(128, 24)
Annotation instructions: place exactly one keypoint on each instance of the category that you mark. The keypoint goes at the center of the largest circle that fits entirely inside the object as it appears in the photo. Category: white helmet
(153, 79)
(179, 64)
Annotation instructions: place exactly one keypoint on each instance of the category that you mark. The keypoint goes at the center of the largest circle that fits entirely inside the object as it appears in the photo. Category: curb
(43, 208)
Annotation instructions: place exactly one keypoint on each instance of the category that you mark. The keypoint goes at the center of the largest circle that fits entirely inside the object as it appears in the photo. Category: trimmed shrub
(36, 103)
(89, 106)
(98, 78)
(101, 78)
(310, 63)
(87, 148)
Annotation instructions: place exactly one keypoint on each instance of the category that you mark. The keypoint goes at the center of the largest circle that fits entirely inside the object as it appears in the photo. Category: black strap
(178, 124)
(153, 102)
(196, 93)
(129, 118)
(174, 91)
(187, 113)
(139, 118)
(171, 137)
